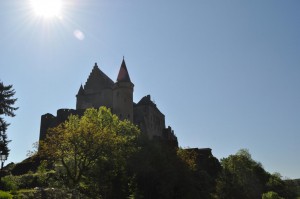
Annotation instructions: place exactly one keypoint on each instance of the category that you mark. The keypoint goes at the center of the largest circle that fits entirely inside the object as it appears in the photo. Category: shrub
(9, 183)
(5, 195)
(27, 181)
(271, 195)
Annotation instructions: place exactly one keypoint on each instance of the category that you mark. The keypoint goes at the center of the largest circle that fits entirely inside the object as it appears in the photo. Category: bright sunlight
(47, 8)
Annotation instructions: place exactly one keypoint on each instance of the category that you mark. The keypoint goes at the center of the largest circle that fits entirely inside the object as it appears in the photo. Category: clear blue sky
(226, 74)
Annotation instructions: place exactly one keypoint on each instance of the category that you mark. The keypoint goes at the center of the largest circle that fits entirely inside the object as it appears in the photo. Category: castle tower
(80, 98)
(123, 95)
(96, 92)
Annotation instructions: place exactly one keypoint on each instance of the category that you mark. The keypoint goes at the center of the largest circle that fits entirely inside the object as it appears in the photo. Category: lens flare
(47, 8)
(79, 35)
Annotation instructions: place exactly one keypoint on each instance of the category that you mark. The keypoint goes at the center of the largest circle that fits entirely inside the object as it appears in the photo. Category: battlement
(48, 116)
(169, 135)
(63, 114)
(49, 121)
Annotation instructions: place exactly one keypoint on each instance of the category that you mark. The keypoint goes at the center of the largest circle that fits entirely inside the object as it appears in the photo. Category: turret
(80, 97)
(123, 94)
(47, 121)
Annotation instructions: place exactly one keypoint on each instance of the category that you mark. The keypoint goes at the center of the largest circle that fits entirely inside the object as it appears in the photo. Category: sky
(224, 72)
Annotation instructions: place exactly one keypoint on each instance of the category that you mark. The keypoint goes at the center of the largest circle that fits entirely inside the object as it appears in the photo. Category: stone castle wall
(100, 90)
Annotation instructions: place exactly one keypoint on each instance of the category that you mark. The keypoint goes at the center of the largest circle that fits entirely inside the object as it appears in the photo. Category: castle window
(128, 116)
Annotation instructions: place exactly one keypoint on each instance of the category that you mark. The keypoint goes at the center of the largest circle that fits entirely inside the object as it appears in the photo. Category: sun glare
(47, 8)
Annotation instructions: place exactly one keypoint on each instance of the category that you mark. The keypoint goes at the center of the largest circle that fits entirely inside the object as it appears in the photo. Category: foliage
(101, 156)
(46, 193)
(20, 182)
(189, 157)
(294, 186)
(31, 153)
(82, 144)
(24, 194)
(9, 183)
(160, 171)
(271, 195)
(6, 108)
(154, 168)
(242, 177)
(5, 195)
(30, 164)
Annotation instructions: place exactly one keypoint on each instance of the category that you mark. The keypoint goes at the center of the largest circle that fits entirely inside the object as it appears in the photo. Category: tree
(6, 108)
(242, 177)
(83, 144)
(164, 172)
(283, 188)
(271, 195)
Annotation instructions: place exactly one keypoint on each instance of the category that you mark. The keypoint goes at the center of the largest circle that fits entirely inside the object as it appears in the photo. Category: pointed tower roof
(81, 90)
(123, 75)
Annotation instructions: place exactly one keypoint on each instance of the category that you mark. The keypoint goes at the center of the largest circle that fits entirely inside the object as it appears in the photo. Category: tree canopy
(83, 143)
(243, 177)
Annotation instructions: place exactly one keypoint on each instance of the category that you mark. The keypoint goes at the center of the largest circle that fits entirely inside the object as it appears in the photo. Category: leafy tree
(204, 170)
(293, 188)
(271, 195)
(6, 108)
(83, 146)
(242, 177)
(189, 157)
(276, 184)
(285, 189)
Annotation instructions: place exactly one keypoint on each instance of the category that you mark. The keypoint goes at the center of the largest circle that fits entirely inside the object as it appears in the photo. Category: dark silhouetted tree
(242, 177)
(6, 108)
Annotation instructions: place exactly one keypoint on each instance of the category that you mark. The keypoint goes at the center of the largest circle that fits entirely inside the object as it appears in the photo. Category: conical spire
(123, 75)
(81, 90)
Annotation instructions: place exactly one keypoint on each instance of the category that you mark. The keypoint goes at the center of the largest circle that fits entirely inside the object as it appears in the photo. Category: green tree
(283, 188)
(189, 157)
(82, 145)
(6, 108)
(271, 195)
(242, 177)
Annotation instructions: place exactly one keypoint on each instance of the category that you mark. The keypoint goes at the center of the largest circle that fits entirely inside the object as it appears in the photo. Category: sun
(47, 8)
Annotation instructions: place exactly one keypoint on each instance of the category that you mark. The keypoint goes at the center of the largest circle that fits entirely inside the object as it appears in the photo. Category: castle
(100, 90)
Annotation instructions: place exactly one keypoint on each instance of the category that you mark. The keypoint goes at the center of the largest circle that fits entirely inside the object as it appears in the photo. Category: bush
(9, 183)
(25, 194)
(271, 195)
(5, 195)
(28, 181)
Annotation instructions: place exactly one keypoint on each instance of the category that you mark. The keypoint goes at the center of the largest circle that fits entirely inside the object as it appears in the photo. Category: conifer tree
(6, 108)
